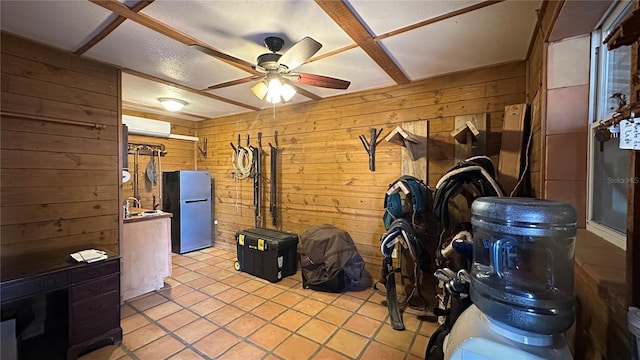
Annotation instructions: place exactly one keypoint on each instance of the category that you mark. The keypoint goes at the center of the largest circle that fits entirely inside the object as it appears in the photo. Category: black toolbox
(267, 253)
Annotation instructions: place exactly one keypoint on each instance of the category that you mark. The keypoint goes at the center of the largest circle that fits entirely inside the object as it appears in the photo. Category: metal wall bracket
(203, 151)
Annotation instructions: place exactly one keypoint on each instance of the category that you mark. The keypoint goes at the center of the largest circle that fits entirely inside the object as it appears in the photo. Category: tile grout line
(245, 339)
(341, 327)
(292, 308)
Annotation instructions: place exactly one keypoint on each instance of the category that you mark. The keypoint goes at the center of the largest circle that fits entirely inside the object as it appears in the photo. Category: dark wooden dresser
(82, 302)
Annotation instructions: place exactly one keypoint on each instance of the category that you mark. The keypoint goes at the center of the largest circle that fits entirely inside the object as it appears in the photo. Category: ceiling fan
(274, 69)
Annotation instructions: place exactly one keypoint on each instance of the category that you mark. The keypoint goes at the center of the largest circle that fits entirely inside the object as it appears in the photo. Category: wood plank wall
(181, 155)
(60, 181)
(323, 168)
(535, 98)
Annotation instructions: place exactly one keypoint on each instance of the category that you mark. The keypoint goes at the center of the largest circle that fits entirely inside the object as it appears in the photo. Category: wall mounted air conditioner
(148, 127)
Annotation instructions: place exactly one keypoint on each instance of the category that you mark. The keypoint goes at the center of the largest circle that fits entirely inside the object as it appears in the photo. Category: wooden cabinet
(94, 305)
(82, 301)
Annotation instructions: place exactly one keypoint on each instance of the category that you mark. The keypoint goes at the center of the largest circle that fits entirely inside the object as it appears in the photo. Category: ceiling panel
(491, 35)
(136, 47)
(384, 16)
(238, 28)
(50, 21)
(143, 91)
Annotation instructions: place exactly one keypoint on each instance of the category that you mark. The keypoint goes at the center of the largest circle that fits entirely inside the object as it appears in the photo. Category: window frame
(597, 97)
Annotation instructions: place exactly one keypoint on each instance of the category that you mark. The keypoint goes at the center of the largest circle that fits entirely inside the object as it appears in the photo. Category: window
(608, 179)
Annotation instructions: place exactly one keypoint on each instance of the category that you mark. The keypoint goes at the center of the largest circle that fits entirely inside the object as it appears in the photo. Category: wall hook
(203, 151)
(370, 147)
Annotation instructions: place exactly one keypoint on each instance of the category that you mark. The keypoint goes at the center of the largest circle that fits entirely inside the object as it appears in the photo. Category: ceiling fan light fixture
(275, 91)
(260, 90)
(172, 104)
(288, 92)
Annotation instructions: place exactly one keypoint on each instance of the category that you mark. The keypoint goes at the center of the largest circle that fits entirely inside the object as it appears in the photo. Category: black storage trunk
(267, 253)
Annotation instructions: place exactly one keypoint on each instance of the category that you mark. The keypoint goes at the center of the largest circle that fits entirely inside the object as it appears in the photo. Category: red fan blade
(322, 81)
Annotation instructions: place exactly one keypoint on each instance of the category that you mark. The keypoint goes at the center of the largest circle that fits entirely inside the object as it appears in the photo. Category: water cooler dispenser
(521, 282)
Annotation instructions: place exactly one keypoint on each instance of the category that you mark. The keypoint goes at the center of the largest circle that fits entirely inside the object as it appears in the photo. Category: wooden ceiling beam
(437, 19)
(347, 20)
(331, 53)
(164, 29)
(186, 88)
(110, 28)
(122, 10)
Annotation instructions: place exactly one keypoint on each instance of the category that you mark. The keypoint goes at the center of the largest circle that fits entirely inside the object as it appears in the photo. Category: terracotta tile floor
(207, 310)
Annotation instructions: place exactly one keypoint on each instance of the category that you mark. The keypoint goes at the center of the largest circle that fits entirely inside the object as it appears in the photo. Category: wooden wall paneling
(15, 196)
(91, 237)
(535, 151)
(56, 231)
(534, 67)
(535, 79)
(323, 170)
(65, 177)
(32, 126)
(54, 109)
(387, 103)
(19, 214)
(60, 181)
(29, 50)
(16, 159)
(121, 154)
(18, 140)
(510, 165)
(44, 89)
(479, 147)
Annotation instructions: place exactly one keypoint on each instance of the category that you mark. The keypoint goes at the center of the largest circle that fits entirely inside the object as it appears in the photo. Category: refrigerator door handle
(194, 201)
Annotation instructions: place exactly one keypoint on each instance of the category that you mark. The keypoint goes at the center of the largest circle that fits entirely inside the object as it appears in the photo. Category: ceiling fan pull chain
(273, 106)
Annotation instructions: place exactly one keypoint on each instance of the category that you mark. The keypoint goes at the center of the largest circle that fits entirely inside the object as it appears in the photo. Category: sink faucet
(135, 201)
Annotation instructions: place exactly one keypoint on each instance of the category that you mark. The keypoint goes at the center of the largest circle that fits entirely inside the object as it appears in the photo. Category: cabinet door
(94, 302)
(94, 326)
(96, 306)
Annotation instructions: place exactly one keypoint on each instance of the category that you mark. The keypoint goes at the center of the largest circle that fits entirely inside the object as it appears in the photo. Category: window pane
(618, 79)
(610, 184)
(610, 179)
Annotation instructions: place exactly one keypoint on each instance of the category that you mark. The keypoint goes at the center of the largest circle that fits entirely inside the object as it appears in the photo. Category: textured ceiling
(370, 43)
